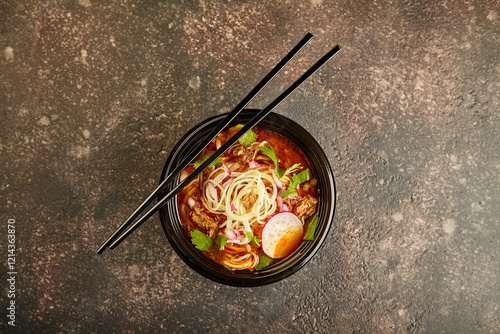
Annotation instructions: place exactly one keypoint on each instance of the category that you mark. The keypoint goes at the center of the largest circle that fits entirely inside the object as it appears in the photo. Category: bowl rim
(195, 259)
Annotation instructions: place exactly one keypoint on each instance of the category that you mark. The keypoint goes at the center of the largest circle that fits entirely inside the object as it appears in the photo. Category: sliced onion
(279, 184)
(191, 202)
(233, 208)
(282, 207)
(226, 180)
(279, 201)
(213, 192)
(254, 164)
(231, 234)
(228, 171)
(184, 174)
(234, 236)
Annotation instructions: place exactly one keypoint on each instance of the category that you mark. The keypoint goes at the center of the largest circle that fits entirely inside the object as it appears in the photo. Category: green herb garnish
(280, 172)
(270, 153)
(221, 241)
(203, 158)
(294, 183)
(264, 261)
(290, 169)
(248, 138)
(200, 240)
(311, 228)
(256, 241)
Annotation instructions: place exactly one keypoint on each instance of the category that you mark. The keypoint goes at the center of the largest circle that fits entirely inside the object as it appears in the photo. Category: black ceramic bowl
(181, 242)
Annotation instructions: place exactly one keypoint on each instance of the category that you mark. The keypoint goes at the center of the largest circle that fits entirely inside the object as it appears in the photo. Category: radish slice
(281, 235)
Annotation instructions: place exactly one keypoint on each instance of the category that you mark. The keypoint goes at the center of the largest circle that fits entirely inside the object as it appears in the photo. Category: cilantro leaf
(289, 192)
(291, 168)
(200, 240)
(256, 241)
(248, 138)
(264, 261)
(221, 241)
(311, 228)
(302, 176)
(216, 162)
(294, 183)
(280, 172)
(270, 153)
(203, 158)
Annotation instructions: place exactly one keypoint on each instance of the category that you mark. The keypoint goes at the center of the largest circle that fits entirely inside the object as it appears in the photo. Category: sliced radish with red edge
(281, 235)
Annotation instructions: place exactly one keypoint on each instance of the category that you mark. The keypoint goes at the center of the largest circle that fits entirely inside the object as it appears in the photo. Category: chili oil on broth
(209, 208)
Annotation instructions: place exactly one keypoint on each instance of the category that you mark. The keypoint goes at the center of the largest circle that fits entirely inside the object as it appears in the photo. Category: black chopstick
(195, 152)
(256, 119)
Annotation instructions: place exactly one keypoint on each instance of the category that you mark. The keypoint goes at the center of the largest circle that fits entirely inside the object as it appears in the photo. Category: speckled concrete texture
(94, 94)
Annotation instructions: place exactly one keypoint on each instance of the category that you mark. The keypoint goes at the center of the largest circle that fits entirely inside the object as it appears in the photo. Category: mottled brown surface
(94, 94)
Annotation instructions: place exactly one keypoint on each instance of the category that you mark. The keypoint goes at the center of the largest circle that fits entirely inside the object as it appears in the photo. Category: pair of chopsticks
(128, 227)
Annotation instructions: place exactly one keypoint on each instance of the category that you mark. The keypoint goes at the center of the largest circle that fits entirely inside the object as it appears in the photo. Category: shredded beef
(244, 155)
(249, 200)
(306, 206)
(204, 221)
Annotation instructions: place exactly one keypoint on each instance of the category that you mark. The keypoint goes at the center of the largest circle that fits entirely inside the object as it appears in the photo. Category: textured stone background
(95, 93)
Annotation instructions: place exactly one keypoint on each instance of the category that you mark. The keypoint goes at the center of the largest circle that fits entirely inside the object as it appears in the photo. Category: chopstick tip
(101, 249)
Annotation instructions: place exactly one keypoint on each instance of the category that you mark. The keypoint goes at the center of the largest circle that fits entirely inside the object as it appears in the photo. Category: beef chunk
(306, 206)
(204, 221)
(249, 200)
(244, 155)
